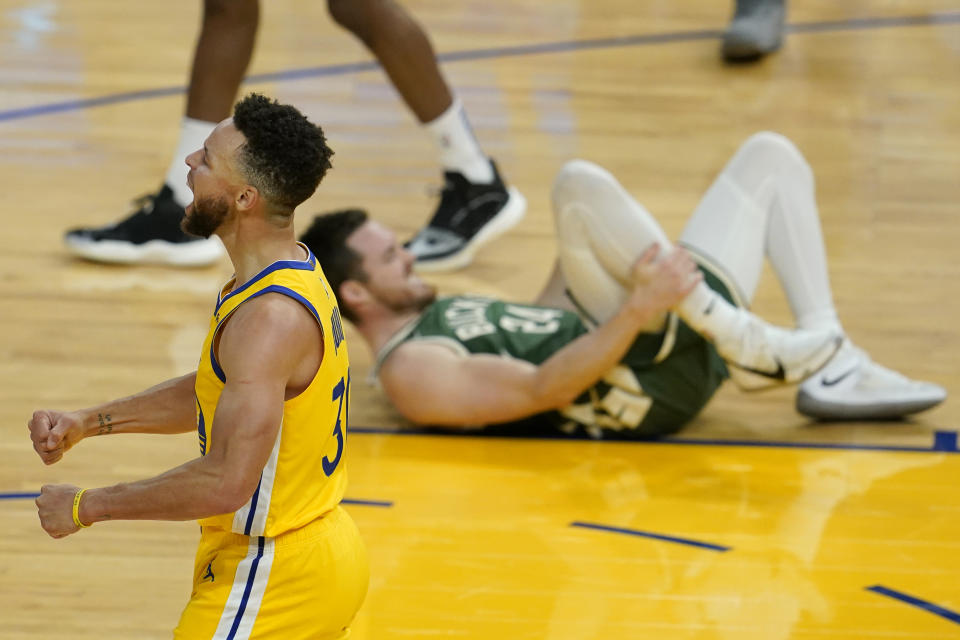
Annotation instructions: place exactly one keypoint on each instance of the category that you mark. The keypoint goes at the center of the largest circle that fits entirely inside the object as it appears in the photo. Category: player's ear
(352, 294)
(247, 198)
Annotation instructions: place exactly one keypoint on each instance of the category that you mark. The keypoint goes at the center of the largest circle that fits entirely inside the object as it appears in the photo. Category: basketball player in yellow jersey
(278, 557)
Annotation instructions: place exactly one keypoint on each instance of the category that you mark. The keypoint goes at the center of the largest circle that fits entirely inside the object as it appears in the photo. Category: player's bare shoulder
(272, 314)
(273, 328)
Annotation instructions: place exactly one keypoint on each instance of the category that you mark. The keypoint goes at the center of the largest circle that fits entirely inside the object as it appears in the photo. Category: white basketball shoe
(761, 354)
(853, 387)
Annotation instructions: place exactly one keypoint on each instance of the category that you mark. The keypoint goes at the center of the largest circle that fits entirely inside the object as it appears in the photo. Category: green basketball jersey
(486, 325)
(662, 382)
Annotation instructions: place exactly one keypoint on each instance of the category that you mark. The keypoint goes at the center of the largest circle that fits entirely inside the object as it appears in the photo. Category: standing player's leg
(152, 232)
(476, 205)
(763, 203)
(601, 231)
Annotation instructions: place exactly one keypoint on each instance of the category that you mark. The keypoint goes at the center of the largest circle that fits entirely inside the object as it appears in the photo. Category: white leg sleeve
(763, 203)
(601, 231)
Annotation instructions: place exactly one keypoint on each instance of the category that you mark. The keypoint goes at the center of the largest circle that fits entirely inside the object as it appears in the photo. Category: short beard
(417, 303)
(206, 217)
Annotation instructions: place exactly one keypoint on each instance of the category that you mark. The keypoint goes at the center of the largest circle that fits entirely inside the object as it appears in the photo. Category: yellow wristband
(76, 509)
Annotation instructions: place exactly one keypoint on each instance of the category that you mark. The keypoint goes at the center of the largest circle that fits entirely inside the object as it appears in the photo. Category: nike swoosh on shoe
(829, 383)
(779, 374)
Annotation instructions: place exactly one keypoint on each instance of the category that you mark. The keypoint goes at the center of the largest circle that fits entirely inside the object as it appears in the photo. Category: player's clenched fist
(55, 508)
(53, 432)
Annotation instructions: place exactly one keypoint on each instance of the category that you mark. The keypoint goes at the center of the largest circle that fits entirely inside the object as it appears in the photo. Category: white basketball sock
(708, 313)
(459, 149)
(193, 133)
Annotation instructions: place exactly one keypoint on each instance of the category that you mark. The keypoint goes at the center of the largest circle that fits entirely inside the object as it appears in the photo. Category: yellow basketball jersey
(304, 476)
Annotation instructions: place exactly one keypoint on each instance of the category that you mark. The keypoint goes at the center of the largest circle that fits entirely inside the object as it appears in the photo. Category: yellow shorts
(304, 584)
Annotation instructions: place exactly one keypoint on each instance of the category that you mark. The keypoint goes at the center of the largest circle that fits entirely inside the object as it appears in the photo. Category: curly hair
(327, 238)
(285, 155)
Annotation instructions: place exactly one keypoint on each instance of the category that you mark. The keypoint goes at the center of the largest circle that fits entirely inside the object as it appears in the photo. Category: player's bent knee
(768, 144)
(573, 181)
(575, 169)
(771, 149)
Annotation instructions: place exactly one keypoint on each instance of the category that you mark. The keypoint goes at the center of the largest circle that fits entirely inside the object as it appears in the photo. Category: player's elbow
(233, 492)
(546, 395)
(439, 415)
(426, 416)
(419, 418)
(230, 501)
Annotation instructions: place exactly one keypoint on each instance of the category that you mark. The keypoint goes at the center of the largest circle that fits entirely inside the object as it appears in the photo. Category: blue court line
(19, 495)
(943, 612)
(943, 441)
(23, 495)
(938, 442)
(854, 24)
(654, 536)
(860, 24)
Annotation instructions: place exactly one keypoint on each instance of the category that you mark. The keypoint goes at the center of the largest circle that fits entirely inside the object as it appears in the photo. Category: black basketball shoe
(468, 216)
(149, 235)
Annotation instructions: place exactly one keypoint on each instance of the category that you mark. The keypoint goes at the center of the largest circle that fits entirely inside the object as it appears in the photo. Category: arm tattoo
(106, 424)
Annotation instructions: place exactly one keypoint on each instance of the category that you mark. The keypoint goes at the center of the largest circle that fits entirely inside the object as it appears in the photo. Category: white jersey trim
(255, 523)
(246, 594)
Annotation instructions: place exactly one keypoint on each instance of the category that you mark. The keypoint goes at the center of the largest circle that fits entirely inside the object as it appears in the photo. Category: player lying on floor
(617, 343)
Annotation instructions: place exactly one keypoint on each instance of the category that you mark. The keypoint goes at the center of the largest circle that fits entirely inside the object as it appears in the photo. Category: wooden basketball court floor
(751, 523)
